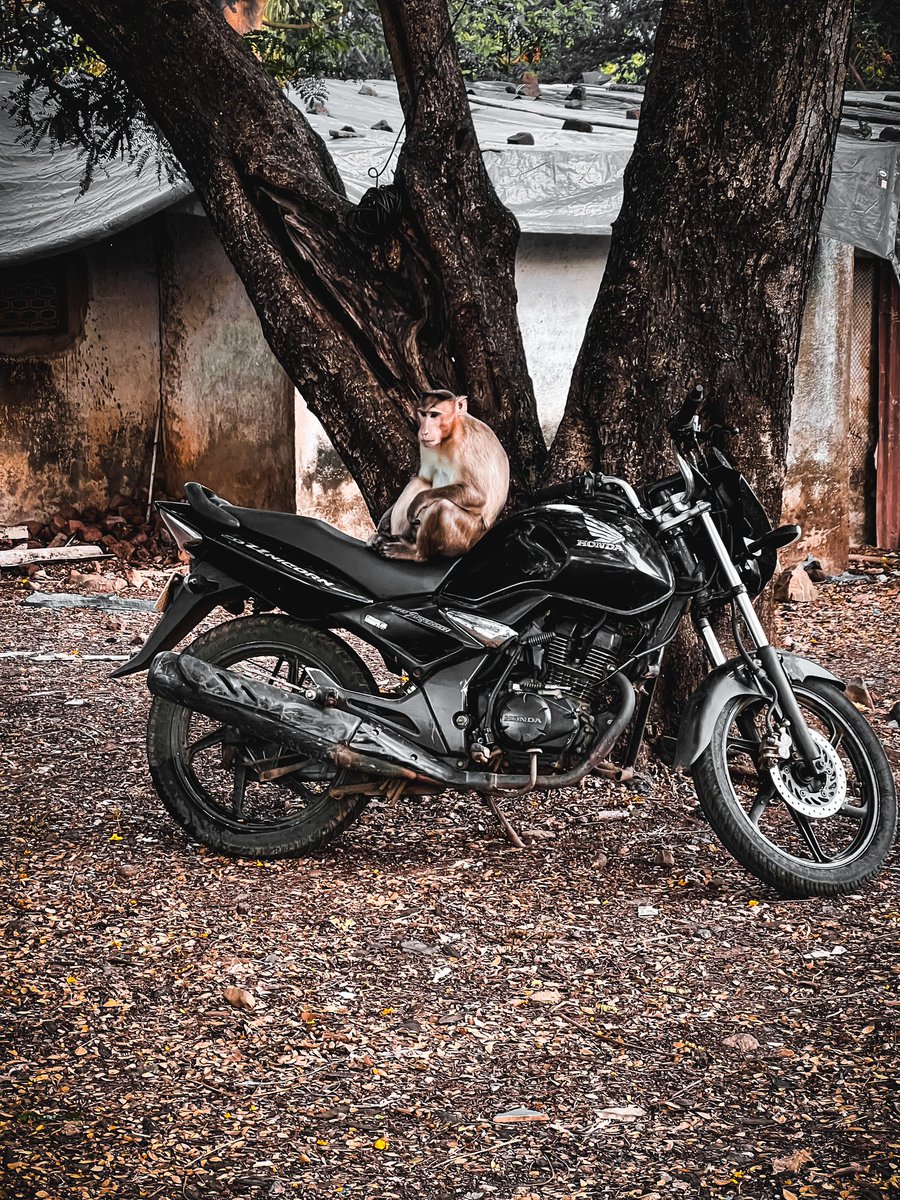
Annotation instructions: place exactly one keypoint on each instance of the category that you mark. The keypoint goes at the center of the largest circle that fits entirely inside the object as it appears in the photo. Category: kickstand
(502, 820)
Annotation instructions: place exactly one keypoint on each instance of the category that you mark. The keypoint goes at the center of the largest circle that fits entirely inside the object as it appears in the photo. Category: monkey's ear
(462, 404)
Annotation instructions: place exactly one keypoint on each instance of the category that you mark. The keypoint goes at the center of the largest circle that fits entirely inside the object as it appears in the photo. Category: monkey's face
(437, 421)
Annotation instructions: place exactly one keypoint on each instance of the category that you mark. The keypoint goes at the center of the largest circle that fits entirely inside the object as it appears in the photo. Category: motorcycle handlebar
(681, 420)
(555, 492)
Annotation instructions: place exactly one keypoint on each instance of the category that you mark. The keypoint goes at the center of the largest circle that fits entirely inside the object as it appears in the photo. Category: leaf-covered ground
(675, 1029)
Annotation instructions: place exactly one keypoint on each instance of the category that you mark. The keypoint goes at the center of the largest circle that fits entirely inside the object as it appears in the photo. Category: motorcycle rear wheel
(201, 769)
(799, 854)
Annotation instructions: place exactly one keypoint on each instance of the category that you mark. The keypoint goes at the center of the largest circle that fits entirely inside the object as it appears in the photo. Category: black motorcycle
(516, 668)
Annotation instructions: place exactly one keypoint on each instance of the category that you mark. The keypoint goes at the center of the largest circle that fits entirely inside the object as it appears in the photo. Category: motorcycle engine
(552, 701)
(526, 720)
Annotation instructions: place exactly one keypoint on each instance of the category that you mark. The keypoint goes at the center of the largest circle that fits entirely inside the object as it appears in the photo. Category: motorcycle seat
(382, 578)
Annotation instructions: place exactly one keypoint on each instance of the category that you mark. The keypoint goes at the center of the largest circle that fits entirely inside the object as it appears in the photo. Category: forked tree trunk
(361, 327)
(711, 253)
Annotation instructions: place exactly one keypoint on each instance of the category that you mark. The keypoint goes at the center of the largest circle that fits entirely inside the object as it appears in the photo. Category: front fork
(766, 653)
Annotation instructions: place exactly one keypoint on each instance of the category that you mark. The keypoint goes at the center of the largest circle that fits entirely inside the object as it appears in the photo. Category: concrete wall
(227, 404)
(557, 279)
(816, 494)
(164, 312)
(76, 424)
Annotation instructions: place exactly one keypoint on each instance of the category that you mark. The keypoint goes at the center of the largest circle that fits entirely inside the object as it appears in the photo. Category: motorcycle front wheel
(822, 841)
(237, 794)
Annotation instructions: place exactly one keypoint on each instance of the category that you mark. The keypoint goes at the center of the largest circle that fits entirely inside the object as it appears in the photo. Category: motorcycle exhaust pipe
(347, 740)
(277, 716)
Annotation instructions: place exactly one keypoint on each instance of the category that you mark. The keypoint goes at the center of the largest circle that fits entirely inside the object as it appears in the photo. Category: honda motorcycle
(517, 668)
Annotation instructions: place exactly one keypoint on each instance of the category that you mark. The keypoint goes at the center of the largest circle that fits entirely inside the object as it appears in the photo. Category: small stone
(240, 998)
(578, 126)
(857, 691)
(599, 862)
(126, 871)
(96, 585)
(795, 585)
(520, 1116)
(647, 910)
(414, 947)
(633, 114)
(383, 125)
(546, 996)
(521, 139)
(626, 1113)
(366, 89)
(745, 1042)
(664, 858)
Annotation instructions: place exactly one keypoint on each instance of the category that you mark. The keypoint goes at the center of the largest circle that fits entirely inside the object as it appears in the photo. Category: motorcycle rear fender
(191, 599)
(723, 684)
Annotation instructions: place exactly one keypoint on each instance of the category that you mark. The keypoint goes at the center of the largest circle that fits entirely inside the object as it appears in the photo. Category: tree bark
(361, 327)
(712, 250)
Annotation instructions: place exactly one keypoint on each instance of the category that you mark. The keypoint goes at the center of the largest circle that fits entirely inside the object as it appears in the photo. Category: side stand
(509, 832)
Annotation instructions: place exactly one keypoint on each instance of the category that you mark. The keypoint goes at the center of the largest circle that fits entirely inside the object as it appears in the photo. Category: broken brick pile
(121, 529)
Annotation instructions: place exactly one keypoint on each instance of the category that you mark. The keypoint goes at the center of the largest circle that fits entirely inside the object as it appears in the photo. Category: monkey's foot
(400, 550)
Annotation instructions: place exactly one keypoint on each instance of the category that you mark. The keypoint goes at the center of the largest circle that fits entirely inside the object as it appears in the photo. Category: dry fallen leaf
(745, 1042)
(240, 998)
(628, 1113)
(791, 1162)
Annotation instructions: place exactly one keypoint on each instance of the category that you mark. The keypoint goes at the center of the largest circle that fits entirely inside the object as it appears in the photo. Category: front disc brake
(796, 793)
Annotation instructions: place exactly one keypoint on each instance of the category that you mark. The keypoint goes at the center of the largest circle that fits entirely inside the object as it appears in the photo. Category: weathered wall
(816, 494)
(227, 404)
(76, 425)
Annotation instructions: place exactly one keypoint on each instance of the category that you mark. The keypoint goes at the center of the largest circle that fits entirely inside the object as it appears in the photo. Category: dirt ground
(675, 1029)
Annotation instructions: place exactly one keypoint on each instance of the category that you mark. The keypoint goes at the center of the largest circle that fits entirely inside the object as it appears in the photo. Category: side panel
(723, 684)
(191, 600)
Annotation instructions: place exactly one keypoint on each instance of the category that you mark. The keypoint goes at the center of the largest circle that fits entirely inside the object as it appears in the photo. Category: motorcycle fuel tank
(598, 553)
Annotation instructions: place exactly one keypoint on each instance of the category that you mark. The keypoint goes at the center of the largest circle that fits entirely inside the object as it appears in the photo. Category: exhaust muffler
(277, 716)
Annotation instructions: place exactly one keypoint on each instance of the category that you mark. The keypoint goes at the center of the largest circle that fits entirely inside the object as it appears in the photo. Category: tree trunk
(360, 326)
(712, 251)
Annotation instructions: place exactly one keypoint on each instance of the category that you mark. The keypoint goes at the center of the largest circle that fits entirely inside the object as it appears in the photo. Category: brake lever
(715, 435)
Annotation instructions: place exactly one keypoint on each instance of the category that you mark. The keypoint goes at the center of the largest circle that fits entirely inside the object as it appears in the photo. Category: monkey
(460, 489)
(245, 16)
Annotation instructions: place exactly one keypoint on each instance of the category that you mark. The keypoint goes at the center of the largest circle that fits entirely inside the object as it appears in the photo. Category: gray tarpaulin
(567, 182)
(41, 211)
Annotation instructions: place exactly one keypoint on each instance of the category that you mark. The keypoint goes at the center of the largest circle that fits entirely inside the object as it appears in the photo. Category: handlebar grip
(689, 409)
(555, 492)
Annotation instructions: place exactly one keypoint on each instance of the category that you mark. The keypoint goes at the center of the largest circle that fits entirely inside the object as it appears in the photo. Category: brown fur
(460, 489)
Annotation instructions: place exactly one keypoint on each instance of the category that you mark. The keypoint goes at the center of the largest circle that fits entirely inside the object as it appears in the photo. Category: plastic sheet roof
(565, 183)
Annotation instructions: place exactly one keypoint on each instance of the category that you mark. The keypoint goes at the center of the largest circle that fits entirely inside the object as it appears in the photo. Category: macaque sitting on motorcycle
(460, 489)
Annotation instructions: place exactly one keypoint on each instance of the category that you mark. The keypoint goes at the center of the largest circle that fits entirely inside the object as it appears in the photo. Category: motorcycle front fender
(191, 599)
(724, 683)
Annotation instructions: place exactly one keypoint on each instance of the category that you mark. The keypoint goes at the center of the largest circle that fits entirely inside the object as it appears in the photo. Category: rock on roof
(555, 180)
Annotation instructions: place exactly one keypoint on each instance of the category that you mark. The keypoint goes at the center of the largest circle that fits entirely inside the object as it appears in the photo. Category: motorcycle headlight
(186, 537)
